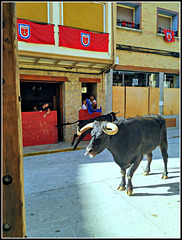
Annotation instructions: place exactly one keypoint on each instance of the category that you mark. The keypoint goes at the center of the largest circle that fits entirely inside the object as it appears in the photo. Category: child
(84, 105)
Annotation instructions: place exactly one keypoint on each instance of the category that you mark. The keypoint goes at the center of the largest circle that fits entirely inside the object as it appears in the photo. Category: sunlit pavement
(71, 195)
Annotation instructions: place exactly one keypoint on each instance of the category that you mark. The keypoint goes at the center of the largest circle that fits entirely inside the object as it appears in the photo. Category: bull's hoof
(145, 173)
(129, 192)
(164, 177)
(121, 188)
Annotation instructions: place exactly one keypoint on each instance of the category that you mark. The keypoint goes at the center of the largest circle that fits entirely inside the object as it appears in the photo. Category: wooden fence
(133, 101)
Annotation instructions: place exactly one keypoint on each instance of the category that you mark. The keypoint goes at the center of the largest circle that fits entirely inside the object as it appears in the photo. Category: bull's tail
(63, 124)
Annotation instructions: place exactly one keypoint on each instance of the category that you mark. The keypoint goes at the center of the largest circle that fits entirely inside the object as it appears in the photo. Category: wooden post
(13, 182)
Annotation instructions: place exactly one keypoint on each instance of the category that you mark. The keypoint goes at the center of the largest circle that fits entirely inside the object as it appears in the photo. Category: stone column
(108, 97)
(161, 88)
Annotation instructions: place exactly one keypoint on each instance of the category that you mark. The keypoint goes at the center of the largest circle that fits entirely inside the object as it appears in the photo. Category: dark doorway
(88, 89)
(36, 94)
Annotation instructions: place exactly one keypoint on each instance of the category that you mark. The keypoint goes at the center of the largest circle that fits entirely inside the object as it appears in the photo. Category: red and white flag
(31, 32)
(83, 39)
(169, 35)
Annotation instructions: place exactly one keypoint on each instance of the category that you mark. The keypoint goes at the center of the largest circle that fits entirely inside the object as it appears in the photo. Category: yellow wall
(148, 60)
(36, 11)
(85, 15)
(171, 101)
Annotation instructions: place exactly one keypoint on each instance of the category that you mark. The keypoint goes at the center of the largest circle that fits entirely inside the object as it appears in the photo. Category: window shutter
(125, 14)
(164, 22)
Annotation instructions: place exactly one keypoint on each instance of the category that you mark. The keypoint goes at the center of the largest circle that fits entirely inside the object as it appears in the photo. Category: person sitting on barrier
(45, 107)
(35, 109)
(84, 105)
(93, 102)
(90, 109)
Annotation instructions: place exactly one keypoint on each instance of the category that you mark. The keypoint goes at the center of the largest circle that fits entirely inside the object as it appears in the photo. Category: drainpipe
(109, 81)
(161, 89)
(113, 63)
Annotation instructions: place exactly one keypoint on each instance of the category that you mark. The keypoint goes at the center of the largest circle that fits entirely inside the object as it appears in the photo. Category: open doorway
(36, 94)
(88, 89)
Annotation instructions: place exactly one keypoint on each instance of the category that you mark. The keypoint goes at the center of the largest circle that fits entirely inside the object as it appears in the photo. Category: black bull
(110, 117)
(128, 140)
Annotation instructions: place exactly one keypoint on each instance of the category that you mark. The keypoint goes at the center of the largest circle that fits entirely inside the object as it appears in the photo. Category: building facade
(65, 76)
(146, 76)
(137, 75)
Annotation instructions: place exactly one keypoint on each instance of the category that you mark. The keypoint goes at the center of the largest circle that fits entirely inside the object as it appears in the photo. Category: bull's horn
(110, 128)
(85, 128)
(117, 112)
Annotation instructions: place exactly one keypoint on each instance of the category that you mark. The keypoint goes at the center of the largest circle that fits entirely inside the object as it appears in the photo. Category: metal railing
(123, 23)
(160, 30)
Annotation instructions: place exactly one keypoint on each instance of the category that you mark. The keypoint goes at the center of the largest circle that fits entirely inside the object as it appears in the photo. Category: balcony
(127, 24)
(160, 30)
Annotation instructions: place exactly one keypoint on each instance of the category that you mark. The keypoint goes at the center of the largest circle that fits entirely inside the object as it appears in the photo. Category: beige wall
(148, 38)
(148, 60)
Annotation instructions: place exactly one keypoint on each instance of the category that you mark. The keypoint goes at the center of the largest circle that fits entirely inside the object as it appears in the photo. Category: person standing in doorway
(93, 102)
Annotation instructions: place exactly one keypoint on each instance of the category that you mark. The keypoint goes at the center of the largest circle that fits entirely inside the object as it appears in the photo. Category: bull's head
(100, 136)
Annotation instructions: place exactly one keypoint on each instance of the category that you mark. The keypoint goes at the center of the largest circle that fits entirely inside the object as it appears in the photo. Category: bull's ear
(110, 128)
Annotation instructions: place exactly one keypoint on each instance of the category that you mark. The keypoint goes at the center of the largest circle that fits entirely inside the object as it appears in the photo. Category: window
(167, 19)
(171, 81)
(85, 15)
(153, 80)
(135, 79)
(128, 15)
(164, 22)
(35, 11)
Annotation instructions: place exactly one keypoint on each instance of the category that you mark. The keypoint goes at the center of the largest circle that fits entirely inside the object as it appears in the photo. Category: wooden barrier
(136, 101)
(142, 100)
(118, 103)
(171, 101)
(154, 100)
(38, 130)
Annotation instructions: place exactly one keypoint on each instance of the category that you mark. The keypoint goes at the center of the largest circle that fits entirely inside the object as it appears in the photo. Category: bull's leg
(75, 136)
(123, 181)
(82, 137)
(163, 147)
(147, 170)
(130, 173)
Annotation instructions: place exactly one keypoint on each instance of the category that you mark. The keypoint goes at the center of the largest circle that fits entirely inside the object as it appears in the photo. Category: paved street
(69, 195)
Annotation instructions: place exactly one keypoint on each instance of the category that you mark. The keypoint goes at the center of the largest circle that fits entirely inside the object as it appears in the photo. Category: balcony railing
(123, 23)
(160, 30)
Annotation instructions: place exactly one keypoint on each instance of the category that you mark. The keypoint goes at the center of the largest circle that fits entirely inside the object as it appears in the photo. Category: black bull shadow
(173, 187)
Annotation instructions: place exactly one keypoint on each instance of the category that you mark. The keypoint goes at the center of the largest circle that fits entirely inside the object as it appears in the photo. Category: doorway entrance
(88, 89)
(35, 94)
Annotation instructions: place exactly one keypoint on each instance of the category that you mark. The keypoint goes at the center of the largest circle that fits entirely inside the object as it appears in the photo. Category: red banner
(31, 32)
(83, 39)
(169, 35)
